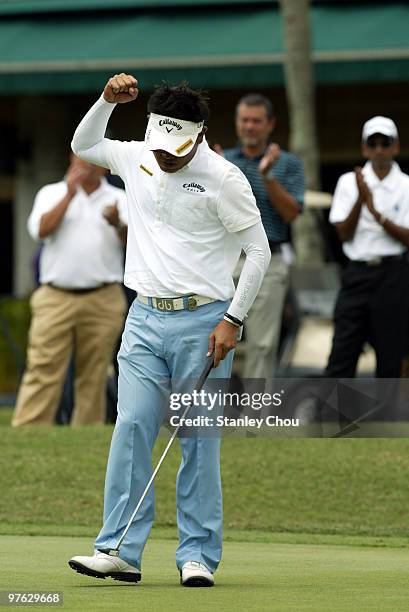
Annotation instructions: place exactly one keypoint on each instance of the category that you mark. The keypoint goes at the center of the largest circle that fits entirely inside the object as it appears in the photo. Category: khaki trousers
(263, 324)
(63, 323)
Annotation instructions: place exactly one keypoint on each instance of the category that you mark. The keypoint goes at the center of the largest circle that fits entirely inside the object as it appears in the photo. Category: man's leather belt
(187, 302)
(378, 261)
(80, 289)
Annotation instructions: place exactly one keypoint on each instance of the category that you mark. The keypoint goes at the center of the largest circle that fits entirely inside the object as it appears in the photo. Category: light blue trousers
(159, 353)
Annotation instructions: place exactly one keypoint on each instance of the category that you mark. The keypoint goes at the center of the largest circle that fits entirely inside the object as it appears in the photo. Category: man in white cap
(191, 213)
(370, 211)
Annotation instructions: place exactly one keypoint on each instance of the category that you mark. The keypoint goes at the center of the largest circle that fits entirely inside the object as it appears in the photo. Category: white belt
(188, 302)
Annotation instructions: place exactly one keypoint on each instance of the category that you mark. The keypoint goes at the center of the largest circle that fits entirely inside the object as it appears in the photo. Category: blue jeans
(159, 353)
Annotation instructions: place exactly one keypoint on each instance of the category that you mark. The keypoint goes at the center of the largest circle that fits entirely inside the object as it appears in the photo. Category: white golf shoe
(195, 574)
(101, 565)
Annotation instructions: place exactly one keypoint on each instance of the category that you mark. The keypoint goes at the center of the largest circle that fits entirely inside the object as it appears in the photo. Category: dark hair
(180, 102)
(255, 99)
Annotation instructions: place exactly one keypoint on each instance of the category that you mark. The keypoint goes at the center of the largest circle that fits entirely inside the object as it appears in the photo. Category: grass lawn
(253, 576)
(54, 478)
(310, 524)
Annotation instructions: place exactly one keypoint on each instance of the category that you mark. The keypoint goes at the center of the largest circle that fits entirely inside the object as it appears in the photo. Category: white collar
(103, 184)
(390, 181)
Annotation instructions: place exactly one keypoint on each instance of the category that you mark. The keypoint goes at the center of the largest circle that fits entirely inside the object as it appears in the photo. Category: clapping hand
(111, 214)
(363, 189)
(218, 149)
(76, 175)
(365, 194)
(269, 158)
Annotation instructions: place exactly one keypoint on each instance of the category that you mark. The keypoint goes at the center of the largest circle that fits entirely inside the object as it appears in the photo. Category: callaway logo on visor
(169, 122)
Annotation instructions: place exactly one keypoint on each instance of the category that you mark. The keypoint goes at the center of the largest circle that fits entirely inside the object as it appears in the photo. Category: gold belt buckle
(191, 303)
(165, 304)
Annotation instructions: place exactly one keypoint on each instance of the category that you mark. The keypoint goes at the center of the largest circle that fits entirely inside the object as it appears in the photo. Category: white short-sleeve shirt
(182, 226)
(391, 199)
(85, 251)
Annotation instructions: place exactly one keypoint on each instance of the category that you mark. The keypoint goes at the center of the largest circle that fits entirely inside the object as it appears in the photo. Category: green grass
(5, 416)
(257, 576)
(54, 480)
(310, 524)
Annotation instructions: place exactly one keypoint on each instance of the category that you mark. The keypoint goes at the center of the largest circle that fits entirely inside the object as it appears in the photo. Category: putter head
(114, 552)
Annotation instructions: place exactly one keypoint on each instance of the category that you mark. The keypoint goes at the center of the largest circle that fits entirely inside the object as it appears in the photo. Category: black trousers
(373, 305)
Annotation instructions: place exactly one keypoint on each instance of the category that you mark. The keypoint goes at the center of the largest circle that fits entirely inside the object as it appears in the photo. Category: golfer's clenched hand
(222, 340)
(121, 88)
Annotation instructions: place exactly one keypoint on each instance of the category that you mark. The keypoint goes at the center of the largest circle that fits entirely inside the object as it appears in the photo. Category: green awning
(211, 47)
(15, 7)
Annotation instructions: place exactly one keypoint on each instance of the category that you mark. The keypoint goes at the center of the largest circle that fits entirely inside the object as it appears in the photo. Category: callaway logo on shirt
(193, 187)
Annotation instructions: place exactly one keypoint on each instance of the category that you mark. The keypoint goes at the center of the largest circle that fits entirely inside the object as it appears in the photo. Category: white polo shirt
(391, 198)
(85, 251)
(182, 226)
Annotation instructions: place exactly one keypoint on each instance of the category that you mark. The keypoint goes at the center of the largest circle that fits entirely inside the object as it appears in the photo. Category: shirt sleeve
(89, 142)
(255, 244)
(345, 196)
(236, 204)
(44, 201)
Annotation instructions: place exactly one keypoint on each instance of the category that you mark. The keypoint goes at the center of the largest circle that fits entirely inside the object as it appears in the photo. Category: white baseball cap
(379, 125)
(176, 136)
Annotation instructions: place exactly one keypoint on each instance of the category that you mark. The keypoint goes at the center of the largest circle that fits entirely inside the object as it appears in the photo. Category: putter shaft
(199, 384)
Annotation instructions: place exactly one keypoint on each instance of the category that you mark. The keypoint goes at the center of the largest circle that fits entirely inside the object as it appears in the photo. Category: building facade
(56, 55)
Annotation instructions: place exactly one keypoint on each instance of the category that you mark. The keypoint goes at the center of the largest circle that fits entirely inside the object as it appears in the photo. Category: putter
(114, 552)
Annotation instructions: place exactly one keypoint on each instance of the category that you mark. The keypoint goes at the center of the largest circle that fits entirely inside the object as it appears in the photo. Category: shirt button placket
(159, 202)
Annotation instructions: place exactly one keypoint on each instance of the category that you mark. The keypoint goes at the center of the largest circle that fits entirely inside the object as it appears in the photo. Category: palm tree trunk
(298, 69)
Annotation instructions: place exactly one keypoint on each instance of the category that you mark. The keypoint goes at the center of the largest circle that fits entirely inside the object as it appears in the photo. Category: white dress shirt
(391, 199)
(85, 251)
(183, 226)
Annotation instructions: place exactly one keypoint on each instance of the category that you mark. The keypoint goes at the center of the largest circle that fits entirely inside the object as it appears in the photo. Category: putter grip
(205, 373)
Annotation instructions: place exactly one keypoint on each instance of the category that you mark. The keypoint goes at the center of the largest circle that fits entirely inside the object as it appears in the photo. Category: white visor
(176, 136)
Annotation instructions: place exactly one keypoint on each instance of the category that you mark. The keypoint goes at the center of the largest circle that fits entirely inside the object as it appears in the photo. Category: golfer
(191, 213)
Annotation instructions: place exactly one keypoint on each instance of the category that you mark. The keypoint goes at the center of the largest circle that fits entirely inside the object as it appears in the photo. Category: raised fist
(121, 88)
